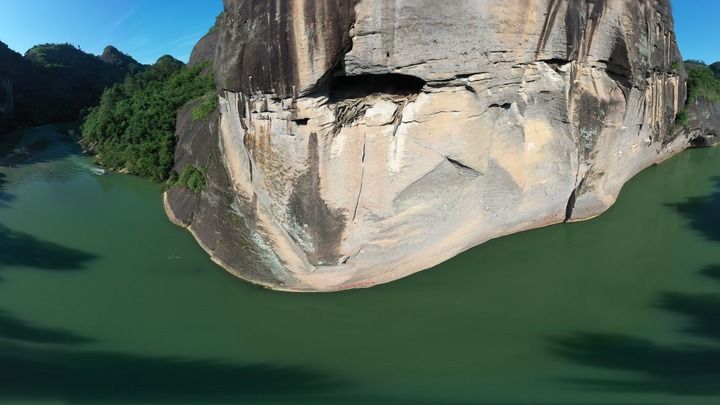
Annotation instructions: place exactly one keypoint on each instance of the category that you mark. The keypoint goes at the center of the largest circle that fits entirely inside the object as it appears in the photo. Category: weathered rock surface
(204, 50)
(703, 126)
(362, 141)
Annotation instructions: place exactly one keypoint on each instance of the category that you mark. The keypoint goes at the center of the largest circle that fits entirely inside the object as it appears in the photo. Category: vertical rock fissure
(570, 207)
(362, 180)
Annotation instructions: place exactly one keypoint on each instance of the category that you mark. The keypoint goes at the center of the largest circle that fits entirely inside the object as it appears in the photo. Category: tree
(133, 126)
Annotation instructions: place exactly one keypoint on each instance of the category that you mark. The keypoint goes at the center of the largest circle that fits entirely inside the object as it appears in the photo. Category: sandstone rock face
(205, 49)
(703, 126)
(363, 141)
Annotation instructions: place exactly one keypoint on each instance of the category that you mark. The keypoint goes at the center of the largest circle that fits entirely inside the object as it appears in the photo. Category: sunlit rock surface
(360, 142)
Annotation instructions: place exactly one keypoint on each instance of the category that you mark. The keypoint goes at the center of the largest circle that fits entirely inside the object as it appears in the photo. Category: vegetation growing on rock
(207, 105)
(133, 127)
(681, 119)
(703, 83)
(191, 178)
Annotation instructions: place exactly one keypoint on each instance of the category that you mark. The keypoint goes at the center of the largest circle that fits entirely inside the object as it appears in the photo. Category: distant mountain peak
(113, 56)
(111, 50)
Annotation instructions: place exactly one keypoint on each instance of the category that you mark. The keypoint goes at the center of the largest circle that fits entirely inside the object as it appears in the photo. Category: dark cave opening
(342, 87)
(699, 142)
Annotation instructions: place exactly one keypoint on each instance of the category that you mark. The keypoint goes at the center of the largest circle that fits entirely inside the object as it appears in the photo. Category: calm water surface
(103, 300)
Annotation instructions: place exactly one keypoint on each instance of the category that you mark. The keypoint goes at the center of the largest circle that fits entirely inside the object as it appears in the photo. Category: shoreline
(385, 278)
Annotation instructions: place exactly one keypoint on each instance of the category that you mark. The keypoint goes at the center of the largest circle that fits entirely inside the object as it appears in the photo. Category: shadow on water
(5, 198)
(59, 373)
(39, 363)
(20, 249)
(16, 330)
(680, 369)
(87, 376)
(703, 213)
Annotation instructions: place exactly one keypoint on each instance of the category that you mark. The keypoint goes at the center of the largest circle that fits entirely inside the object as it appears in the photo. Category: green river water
(103, 300)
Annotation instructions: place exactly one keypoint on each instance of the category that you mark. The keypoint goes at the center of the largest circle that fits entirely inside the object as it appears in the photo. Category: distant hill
(703, 81)
(715, 67)
(125, 62)
(55, 82)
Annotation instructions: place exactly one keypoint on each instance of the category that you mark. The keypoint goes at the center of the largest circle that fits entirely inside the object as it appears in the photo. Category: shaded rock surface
(703, 126)
(218, 219)
(361, 141)
(204, 50)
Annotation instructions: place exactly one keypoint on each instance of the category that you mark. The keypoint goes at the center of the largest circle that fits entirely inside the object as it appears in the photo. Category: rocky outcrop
(282, 47)
(703, 124)
(214, 217)
(204, 50)
(362, 141)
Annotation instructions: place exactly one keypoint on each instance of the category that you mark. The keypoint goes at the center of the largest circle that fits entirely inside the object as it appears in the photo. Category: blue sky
(148, 29)
(696, 27)
(145, 29)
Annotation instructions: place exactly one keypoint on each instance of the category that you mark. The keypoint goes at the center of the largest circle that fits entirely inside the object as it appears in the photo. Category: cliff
(358, 142)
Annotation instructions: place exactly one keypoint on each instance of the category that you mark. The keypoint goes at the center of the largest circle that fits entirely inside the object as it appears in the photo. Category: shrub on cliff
(133, 127)
(191, 178)
(208, 104)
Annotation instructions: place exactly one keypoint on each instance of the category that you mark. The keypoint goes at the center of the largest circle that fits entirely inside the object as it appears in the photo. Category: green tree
(132, 128)
(702, 83)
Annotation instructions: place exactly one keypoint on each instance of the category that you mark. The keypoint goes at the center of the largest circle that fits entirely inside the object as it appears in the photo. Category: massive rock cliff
(358, 142)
